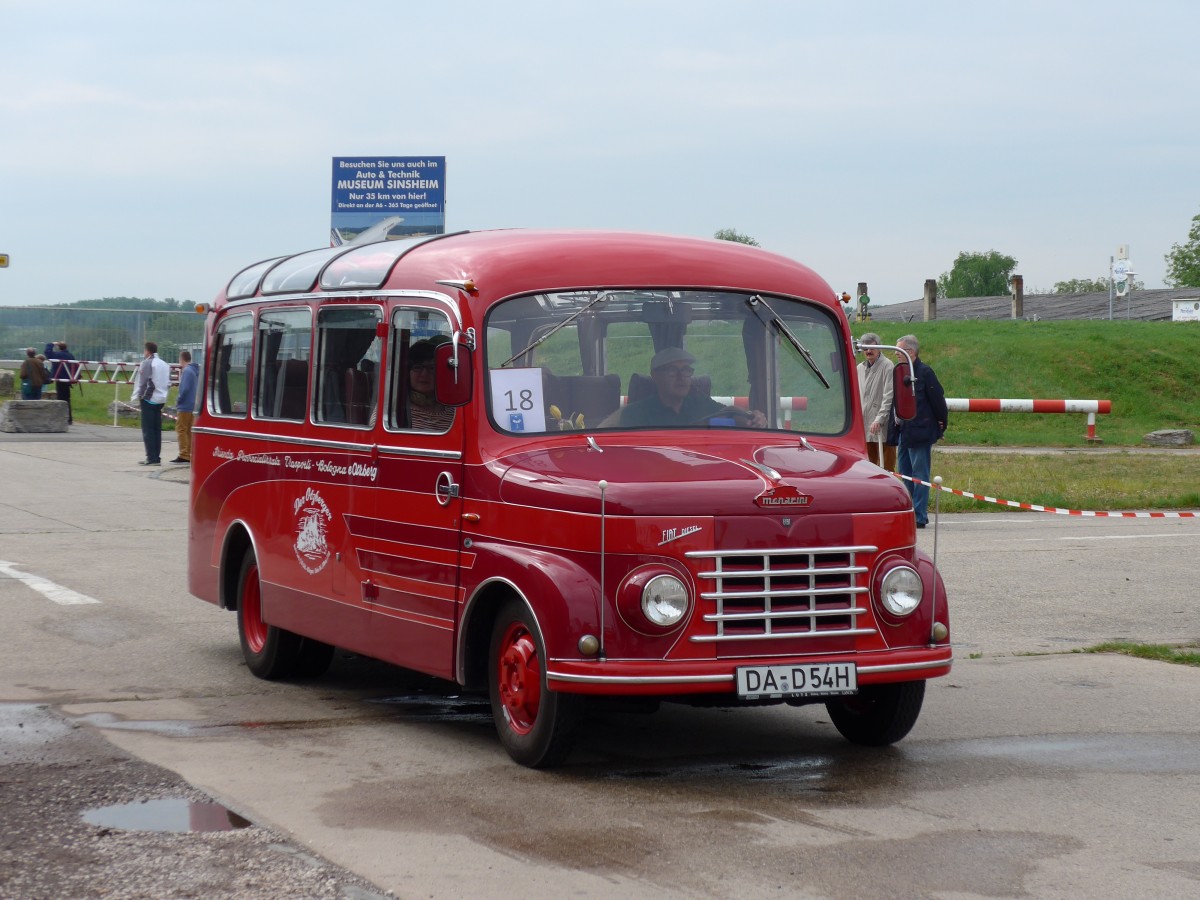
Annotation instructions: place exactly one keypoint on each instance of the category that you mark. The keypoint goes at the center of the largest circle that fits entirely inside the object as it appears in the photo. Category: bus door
(347, 387)
(408, 540)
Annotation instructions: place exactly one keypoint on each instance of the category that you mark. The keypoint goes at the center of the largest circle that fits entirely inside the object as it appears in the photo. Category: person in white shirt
(150, 386)
(875, 395)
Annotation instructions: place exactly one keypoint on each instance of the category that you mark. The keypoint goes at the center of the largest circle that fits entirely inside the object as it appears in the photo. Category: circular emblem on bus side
(312, 527)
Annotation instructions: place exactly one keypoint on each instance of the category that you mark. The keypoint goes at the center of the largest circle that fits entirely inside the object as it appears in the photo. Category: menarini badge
(312, 527)
(784, 496)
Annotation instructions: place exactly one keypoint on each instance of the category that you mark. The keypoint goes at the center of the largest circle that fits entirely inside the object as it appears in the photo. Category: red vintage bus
(557, 465)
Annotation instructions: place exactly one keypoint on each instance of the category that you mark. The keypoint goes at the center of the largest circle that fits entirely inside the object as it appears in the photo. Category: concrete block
(33, 416)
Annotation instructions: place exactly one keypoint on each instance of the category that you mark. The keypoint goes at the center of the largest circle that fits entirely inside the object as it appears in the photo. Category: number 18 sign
(517, 403)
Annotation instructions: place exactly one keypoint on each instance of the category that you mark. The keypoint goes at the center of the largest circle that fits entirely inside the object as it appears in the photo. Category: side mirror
(903, 394)
(455, 374)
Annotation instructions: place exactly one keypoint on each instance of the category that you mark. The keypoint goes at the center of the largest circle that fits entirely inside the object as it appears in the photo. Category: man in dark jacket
(920, 433)
(62, 372)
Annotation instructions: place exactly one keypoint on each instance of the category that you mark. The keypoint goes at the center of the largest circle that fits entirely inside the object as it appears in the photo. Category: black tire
(536, 725)
(271, 653)
(880, 714)
(314, 658)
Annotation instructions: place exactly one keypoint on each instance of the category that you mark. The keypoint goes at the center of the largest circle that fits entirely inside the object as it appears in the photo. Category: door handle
(446, 488)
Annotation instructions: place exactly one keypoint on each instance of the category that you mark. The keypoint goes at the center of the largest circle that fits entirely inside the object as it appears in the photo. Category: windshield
(625, 359)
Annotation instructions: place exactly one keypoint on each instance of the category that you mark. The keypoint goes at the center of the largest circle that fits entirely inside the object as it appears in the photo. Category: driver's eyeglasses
(678, 371)
(422, 367)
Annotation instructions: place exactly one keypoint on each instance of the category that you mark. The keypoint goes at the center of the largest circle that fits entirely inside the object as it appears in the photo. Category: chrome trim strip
(783, 614)
(640, 679)
(776, 636)
(779, 573)
(273, 299)
(332, 445)
(421, 451)
(908, 667)
(285, 439)
(717, 679)
(783, 551)
(762, 595)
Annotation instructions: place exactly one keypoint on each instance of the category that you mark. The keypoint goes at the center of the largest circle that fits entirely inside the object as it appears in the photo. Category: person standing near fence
(185, 406)
(32, 375)
(150, 386)
(63, 373)
(922, 431)
(875, 396)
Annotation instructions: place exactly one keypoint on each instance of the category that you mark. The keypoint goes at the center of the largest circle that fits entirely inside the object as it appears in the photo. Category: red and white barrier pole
(1091, 407)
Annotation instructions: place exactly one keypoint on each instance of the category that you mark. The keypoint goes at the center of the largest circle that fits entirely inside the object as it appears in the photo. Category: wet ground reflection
(167, 814)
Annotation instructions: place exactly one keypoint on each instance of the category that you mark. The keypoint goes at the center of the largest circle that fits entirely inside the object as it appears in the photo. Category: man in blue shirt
(185, 406)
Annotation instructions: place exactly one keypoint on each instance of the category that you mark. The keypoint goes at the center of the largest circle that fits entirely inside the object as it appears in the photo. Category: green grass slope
(1149, 370)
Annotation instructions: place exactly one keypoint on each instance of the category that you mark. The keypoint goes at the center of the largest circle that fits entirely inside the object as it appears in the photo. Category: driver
(673, 404)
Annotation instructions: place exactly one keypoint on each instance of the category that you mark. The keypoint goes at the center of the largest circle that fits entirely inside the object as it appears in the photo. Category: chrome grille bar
(784, 593)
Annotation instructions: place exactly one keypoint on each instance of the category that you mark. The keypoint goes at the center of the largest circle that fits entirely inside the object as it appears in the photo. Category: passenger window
(348, 351)
(412, 377)
(282, 373)
(229, 377)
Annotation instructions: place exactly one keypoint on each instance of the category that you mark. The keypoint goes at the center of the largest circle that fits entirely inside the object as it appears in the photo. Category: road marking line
(56, 592)
(1124, 537)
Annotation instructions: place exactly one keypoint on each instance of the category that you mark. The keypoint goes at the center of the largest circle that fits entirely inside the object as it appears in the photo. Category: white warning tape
(1085, 513)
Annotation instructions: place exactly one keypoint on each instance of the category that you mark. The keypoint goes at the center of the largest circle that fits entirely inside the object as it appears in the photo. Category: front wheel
(271, 653)
(880, 714)
(536, 725)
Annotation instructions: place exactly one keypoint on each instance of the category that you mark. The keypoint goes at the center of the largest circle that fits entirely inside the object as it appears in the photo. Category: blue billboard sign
(370, 189)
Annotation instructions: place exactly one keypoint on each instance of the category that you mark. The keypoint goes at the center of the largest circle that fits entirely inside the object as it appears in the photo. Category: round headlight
(664, 600)
(901, 589)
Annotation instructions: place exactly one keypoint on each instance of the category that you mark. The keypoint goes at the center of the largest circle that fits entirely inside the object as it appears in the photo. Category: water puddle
(170, 814)
(439, 707)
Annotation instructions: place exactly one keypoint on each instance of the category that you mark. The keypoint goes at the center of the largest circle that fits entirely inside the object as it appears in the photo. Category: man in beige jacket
(875, 396)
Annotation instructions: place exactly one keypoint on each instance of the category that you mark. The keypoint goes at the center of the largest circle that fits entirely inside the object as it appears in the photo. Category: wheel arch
(471, 662)
(238, 539)
(561, 595)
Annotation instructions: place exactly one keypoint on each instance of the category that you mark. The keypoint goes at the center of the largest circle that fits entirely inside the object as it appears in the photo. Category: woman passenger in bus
(424, 411)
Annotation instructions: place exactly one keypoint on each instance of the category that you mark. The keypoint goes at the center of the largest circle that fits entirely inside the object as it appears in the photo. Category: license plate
(801, 680)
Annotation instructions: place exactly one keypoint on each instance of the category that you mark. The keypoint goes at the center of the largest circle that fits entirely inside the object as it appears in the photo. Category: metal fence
(108, 335)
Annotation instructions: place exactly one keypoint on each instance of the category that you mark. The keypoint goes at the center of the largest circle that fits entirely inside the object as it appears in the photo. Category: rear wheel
(314, 658)
(880, 714)
(536, 725)
(270, 652)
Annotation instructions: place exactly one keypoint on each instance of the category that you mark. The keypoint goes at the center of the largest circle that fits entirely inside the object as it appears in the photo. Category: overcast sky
(152, 149)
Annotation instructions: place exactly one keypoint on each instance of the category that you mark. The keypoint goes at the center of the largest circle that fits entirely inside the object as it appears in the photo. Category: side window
(412, 382)
(282, 371)
(229, 375)
(348, 346)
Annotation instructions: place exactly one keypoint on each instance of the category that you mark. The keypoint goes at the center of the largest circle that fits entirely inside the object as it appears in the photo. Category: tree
(732, 234)
(1183, 262)
(1090, 286)
(977, 275)
(1081, 286)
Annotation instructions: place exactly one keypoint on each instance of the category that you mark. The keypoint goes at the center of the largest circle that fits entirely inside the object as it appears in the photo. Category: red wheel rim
(519, 678)
(252, 624)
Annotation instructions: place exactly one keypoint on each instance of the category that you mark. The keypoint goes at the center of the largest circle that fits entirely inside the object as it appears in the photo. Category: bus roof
(495, 264)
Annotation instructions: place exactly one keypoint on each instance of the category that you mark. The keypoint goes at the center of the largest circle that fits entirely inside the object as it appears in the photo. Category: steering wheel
(724, 412)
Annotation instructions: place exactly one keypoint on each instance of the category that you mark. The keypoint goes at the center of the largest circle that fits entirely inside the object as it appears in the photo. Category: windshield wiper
(779, 325)
(563, 324)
